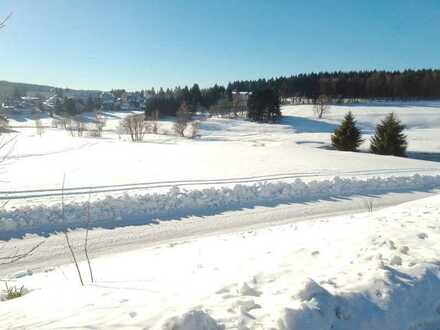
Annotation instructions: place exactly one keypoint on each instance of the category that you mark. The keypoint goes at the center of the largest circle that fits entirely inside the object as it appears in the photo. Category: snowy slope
(370, 271)
(228, 149)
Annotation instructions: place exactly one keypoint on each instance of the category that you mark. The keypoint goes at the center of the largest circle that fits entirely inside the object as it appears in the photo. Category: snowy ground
(370, 271)
(238, 177)
(228, 149)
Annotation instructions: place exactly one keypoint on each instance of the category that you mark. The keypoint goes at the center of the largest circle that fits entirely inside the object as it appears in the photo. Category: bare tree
(39, 127)
(321, 106)
(195, 126)
(100, 122)
(135, 126)
(4, 123)
(183, 117)
(152, 120)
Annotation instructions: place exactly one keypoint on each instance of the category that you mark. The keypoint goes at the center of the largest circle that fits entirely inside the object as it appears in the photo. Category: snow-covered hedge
(132, 209)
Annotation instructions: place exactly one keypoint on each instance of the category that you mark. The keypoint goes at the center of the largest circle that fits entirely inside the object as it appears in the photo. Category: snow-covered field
(227, 149)
(364, 271)
(370, 271)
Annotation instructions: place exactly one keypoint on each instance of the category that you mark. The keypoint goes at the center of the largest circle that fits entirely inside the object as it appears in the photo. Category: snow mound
(311, 289)
(192, 320)
(392, 304)
(135, 209)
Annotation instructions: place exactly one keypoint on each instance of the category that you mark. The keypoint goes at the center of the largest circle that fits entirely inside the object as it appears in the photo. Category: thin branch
(17, 257)
(3, 145)
(66, 235)
(3, 23)
(86, 241)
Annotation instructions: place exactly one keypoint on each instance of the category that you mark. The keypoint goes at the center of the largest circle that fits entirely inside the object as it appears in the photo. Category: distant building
(83, 95)
(44, 95)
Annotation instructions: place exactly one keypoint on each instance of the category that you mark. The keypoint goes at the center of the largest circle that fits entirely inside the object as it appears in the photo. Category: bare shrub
(183, 117)
(75, 127)
(321, 106)
(4, 123)
(100, 123)
(66, 123)
(195, 127)
(56, 123)
(369, 205)
(152, 122)
(135, 126)
(93, 130)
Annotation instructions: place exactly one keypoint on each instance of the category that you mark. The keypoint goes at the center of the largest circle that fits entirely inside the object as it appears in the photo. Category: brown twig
(86, 241)
(3, 23)
(66, 234)
(17, 257)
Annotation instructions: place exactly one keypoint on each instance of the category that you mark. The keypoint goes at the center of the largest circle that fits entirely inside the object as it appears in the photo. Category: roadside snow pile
(393, 303)
(193, 320)
(370, 271)
(130, 209)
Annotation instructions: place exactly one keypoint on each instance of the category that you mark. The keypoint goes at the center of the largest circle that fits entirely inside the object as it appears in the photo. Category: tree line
(401, 85)
(168, 101)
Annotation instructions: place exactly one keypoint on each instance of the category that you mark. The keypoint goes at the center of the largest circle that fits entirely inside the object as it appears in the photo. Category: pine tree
(264, 105)
(389, 139)
(347, 137)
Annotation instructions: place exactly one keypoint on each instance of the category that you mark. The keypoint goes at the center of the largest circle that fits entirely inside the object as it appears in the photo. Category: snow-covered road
(110, 241)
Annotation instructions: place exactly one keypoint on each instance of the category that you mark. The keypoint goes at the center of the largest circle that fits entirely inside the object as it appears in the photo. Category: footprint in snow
(132, 314)
(404, 249)
(422, 236)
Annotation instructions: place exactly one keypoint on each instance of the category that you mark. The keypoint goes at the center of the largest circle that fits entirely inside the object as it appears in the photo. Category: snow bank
(176, 203)
(393, 304)
(193, 320)
(375, 270)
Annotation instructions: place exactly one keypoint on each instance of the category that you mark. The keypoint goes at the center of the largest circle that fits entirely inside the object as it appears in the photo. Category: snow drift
(177, 203)
(375, 270)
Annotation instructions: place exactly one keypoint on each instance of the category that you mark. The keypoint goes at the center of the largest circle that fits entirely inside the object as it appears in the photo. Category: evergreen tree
(58, 106)
(264, 105)
(70, 107)
(195, 97)
(347, 137)
(389, 139)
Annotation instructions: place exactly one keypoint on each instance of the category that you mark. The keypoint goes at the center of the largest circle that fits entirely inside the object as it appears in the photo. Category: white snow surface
(227, 149)
(148, 208)
(372, 271)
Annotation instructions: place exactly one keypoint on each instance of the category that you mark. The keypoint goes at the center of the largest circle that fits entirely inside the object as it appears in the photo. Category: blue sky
(135, 44)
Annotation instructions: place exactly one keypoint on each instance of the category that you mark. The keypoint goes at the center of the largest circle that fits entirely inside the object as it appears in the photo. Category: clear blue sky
(135, 44)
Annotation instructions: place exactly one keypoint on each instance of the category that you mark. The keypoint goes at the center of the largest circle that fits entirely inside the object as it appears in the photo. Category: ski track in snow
(38, 193)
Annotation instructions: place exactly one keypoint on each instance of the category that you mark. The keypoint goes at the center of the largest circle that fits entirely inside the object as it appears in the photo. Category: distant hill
(8, 88)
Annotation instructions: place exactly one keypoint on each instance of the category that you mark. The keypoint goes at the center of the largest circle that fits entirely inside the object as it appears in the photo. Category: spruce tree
(389, 139)
(347, 137)
(264, 106)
